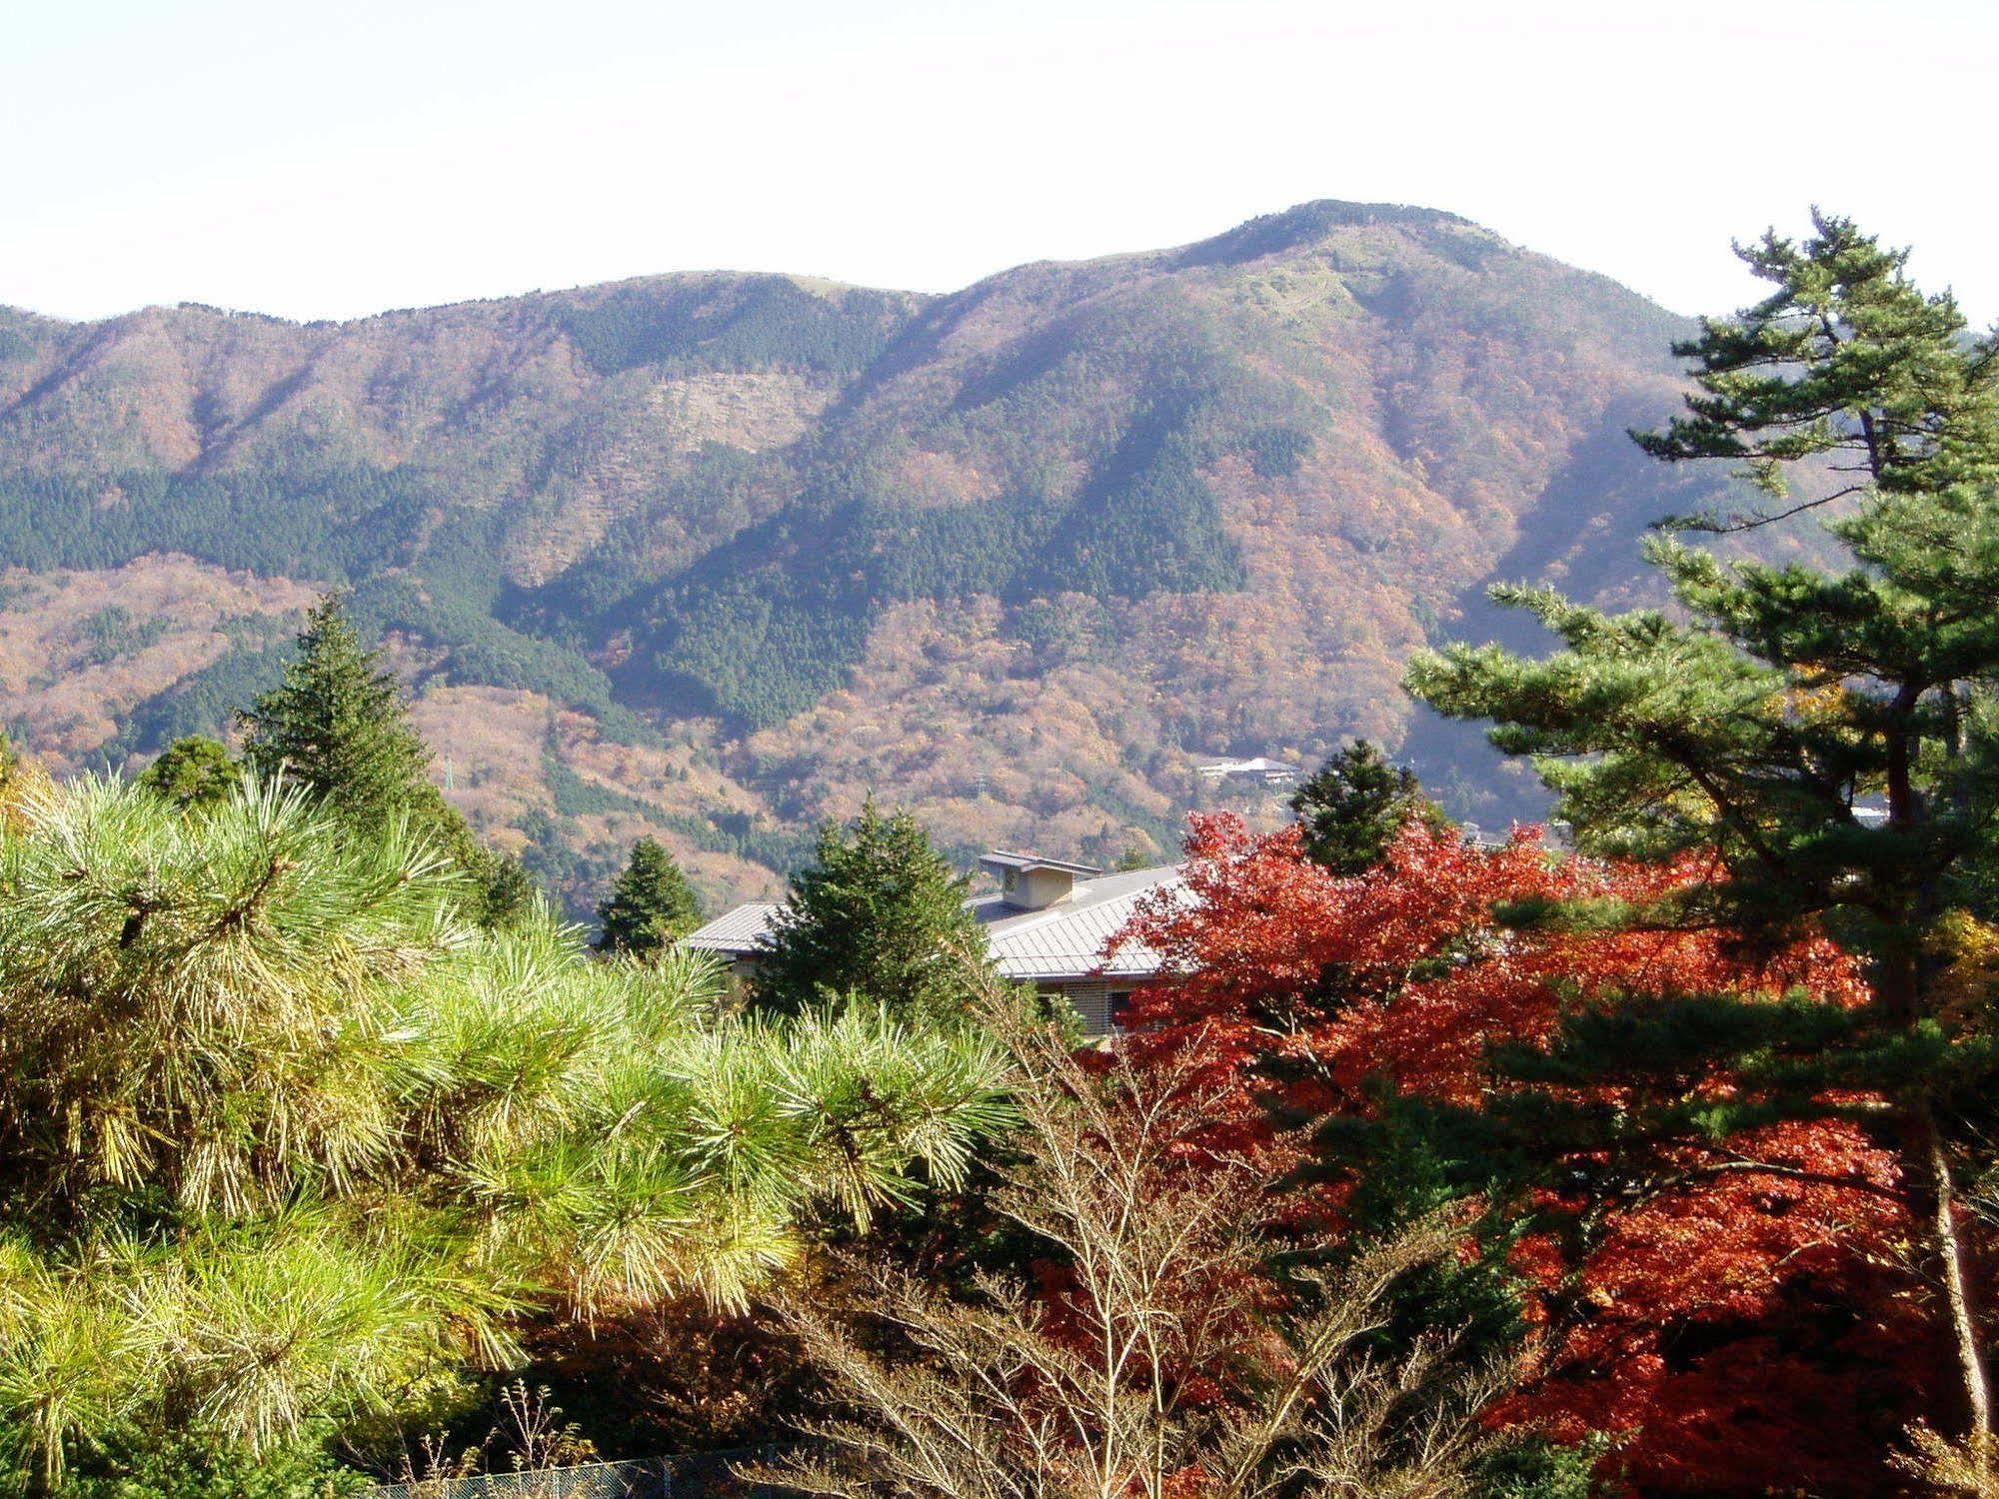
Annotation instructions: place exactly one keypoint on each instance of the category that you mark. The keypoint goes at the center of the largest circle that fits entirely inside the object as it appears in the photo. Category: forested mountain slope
(711, 554)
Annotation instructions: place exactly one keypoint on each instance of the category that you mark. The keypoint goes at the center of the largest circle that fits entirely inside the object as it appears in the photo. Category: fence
(696, 1475)
(645, 1480)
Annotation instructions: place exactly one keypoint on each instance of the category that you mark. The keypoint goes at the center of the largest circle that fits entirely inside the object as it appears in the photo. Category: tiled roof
(1064, 941)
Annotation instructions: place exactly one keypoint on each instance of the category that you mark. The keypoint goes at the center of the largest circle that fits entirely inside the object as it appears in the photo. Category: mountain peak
(1304, 224)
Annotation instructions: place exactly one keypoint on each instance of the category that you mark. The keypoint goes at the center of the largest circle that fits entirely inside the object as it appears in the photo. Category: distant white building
(1555, 834)
(1048, 925)
(1261, 770)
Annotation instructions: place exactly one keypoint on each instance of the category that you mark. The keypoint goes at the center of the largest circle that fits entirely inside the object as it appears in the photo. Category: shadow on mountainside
(1584, 534)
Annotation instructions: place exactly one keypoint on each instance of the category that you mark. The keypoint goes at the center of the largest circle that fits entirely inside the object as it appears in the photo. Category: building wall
(1096, 1001)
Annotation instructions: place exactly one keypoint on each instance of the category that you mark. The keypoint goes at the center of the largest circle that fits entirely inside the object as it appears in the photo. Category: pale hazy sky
(340, 158)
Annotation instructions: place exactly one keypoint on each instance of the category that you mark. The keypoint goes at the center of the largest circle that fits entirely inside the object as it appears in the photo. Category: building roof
(737, 931)
(1067, 939)
(1261, 765)
(999, 858)
(1062, 941)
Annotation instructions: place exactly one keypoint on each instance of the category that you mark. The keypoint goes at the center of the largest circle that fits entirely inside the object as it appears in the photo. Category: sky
(333, 160)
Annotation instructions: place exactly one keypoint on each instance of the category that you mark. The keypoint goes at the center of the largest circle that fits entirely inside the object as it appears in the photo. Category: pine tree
(1751, 731)
(192, 772)
(338, 725)
(1352, 807)
(1848, 362)
(650, 906)
(508, 894)
(877, 915)
(284, 1146)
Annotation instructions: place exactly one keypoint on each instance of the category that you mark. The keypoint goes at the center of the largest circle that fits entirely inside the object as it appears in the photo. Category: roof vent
(1029, 882)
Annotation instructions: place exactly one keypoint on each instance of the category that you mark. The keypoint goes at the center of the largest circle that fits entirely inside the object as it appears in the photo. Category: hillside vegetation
(709, 556)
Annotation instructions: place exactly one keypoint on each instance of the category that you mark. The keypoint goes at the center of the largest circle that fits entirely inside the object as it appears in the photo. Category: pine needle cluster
(288, 1139)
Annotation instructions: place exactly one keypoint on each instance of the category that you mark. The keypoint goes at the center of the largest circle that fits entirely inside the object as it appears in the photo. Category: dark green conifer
(507, 891)
(877, 915)
(650, 906)
(1134, 857)
(1354, 805)
(1829, 739)
(338, 725)
(1847, 371)
(192, 772)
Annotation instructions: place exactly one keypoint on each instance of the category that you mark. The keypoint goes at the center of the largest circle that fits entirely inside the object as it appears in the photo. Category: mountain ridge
(1318, 213)
(734, 550)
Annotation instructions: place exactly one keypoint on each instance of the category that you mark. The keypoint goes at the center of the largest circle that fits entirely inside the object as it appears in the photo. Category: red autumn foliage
(1743, 1327)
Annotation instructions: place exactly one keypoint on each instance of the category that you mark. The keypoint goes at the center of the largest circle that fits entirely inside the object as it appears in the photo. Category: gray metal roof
(736, 931)
(1062, 941)
(1067, 940)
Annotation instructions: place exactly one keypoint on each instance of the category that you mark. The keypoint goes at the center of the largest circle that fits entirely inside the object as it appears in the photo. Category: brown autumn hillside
(714, 555)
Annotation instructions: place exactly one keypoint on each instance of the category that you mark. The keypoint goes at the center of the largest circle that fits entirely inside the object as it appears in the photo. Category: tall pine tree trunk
(1899, 980)
(1948, 1247)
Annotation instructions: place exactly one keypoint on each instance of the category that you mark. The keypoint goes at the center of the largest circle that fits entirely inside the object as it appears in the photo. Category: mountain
(714, 555)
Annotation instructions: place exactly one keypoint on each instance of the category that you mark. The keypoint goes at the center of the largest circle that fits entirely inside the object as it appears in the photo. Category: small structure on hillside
(1261, 771)
(1048, 925)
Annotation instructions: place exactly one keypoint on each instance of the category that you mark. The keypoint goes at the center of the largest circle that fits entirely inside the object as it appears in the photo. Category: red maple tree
(1738, 1319)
